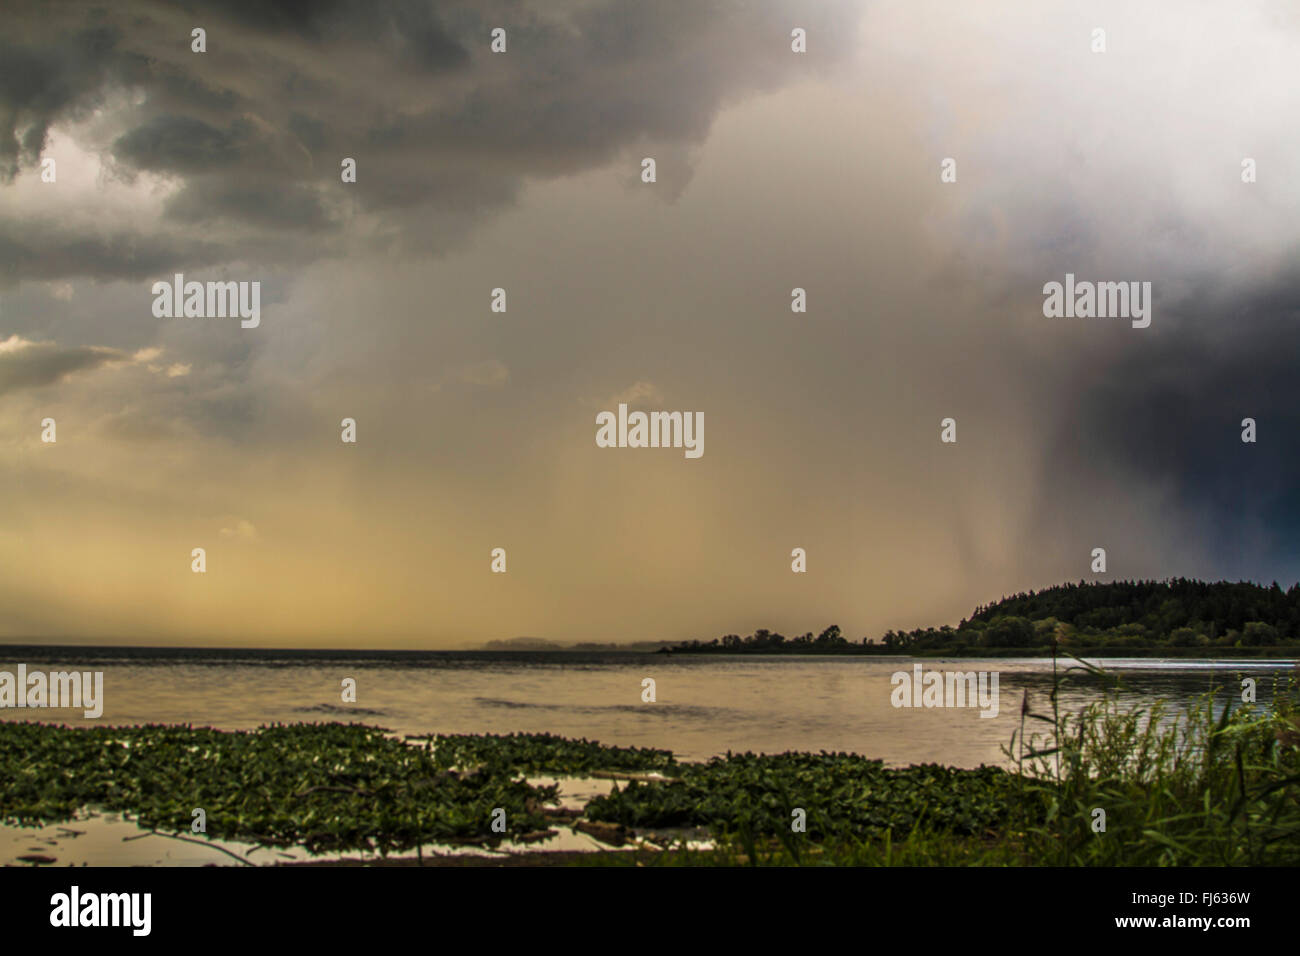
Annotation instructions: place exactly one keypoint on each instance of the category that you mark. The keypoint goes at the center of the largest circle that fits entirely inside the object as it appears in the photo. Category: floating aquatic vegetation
(840, 794)
(323, 786)
(544, 753)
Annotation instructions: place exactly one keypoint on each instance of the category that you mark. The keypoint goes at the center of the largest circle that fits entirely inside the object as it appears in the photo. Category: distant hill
(541, 644)
(523, 644)
(1178, 615)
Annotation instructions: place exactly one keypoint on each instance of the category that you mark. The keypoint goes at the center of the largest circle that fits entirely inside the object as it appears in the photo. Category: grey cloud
(39, 250)
(410, 31)
(44, 363)
(181, 144)
(1165, 415)
(268, 204)
(40, 82)
(255, 129)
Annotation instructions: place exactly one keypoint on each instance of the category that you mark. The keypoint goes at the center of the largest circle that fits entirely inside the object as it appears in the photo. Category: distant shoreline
(126, 653)
(1289, 652)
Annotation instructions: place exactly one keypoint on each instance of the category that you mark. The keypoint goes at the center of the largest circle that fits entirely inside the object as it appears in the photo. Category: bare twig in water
(207, 843)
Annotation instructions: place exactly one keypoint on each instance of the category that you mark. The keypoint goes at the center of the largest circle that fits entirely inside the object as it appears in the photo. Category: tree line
(1125, 614)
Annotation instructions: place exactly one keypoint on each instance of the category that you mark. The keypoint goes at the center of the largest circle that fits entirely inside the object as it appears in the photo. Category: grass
(1215, 785)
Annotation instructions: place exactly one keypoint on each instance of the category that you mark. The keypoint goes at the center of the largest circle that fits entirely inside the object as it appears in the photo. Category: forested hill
(1126, 616)
(1158, 607)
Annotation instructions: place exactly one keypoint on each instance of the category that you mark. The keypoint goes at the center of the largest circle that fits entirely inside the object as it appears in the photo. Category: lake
(704, 705)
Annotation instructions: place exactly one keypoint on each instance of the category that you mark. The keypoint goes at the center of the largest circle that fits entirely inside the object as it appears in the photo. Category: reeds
(1213, 784)
(1216, 784)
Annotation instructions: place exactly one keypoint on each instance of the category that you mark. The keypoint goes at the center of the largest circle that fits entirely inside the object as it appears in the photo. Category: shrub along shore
(1215, 785)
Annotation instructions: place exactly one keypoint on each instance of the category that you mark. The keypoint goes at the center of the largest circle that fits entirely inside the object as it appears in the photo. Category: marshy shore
(1215, 784)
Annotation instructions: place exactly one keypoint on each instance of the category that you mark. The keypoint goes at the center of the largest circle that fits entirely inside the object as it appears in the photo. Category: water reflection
(703, 706)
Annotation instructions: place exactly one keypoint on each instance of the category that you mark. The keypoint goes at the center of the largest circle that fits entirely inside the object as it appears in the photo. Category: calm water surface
(704, 705)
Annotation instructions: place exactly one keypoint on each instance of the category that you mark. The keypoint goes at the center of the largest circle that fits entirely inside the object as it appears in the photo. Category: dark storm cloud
(182, 144)
(271, 205)
(253, 131)
(1169, 416)
(40, 250)
(30, 365)
(40, 82)
(411, 32)
(304, 18)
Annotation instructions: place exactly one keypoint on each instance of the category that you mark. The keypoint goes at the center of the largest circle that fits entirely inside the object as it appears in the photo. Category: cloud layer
(521, 171)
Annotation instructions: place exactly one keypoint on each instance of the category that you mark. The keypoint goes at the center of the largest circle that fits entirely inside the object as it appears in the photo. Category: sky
(522, 170)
